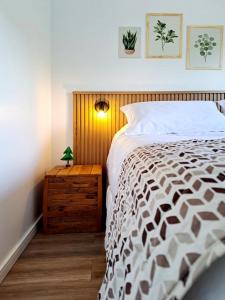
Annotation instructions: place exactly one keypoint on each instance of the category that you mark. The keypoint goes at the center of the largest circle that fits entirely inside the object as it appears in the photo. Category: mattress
(125, 154)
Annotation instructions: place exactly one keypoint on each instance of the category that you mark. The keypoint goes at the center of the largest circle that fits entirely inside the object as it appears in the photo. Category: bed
(166, 215)
(188, 271)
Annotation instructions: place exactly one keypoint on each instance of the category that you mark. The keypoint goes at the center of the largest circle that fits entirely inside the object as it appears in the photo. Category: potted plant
(129, 42)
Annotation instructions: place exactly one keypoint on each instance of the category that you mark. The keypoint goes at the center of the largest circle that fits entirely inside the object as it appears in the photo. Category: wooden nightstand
(73, 199)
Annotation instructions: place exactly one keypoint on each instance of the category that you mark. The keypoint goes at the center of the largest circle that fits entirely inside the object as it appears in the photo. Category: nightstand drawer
(71, 194)
(88, 210)
(73, 182)
(72, 200)
(65, 226)
(63, 219)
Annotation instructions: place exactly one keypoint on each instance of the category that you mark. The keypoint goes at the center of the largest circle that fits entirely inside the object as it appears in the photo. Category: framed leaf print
(164, 35)
(129, 42)
(204, 47)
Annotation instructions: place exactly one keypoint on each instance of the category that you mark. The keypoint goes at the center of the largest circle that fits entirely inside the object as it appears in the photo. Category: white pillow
(178, 117)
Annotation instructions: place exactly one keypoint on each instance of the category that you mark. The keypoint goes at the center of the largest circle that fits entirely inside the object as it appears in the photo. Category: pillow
(178, 117)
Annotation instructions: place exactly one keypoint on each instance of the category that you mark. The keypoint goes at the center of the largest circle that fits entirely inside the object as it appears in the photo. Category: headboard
(93, 135)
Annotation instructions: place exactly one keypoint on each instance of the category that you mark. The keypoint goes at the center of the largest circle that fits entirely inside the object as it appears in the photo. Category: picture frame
(129, 42)
(164, 35)
(204, 47)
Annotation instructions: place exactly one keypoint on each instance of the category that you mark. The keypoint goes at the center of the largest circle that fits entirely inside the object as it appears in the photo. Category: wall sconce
(101, 106)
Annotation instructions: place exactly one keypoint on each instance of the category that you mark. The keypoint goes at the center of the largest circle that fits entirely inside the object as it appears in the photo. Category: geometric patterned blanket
(168, 221)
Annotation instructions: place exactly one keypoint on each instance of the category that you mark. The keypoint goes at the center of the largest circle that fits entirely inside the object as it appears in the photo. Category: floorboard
(64, 266)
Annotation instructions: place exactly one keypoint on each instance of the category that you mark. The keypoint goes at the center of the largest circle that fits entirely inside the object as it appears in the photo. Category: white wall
(25, 115)
(85, 47)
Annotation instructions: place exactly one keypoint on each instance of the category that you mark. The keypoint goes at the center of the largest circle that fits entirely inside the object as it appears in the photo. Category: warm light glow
(101, 114)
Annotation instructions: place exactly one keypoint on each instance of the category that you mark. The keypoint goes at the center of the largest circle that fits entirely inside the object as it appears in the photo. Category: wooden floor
(58, 267)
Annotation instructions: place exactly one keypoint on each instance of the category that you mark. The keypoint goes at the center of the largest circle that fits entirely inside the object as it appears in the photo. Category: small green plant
(163, 36)
(68, 155)
(205, 44)
(129, 41)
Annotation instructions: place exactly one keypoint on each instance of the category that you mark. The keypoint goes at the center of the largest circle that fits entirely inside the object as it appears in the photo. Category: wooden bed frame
(92, 135)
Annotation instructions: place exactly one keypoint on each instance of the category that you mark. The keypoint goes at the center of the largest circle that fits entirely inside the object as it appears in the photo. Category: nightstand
(73, 199)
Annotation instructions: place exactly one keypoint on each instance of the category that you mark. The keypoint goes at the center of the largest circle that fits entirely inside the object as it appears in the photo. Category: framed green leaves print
(164, 35)
(204, 47)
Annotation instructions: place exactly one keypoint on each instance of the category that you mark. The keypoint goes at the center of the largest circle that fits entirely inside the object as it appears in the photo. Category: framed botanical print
(204, 47)
(129, 42)
(164, 35)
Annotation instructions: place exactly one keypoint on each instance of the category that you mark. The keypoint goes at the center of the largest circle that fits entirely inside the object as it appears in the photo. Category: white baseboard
(15, 253)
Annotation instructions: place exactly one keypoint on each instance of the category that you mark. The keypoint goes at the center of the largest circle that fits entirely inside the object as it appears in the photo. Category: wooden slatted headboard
(93, 135)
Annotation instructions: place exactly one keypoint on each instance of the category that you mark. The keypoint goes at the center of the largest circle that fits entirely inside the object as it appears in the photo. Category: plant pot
(129, 52)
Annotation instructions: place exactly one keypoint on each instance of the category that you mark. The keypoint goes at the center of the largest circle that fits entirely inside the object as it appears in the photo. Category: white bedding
(123, 144)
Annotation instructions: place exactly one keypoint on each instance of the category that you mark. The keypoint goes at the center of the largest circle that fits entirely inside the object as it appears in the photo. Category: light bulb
(101, 114)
